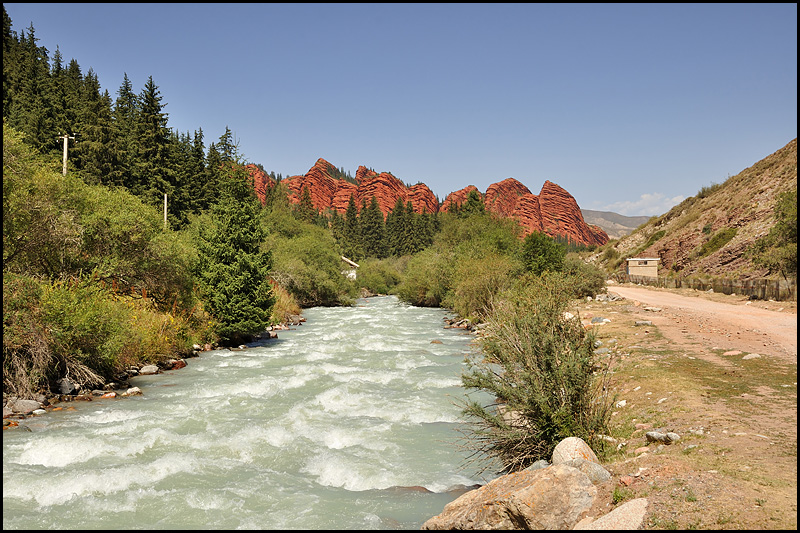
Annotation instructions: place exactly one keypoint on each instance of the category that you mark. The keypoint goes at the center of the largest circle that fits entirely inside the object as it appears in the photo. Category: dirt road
(735, 324)
(721, 372)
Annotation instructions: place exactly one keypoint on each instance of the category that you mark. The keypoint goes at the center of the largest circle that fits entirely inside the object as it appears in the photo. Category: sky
(629, 107)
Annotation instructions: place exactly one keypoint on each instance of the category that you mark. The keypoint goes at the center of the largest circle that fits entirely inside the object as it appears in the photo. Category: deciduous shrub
(540, 366)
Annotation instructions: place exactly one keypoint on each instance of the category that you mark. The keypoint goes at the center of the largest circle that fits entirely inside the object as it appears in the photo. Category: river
(314, 430)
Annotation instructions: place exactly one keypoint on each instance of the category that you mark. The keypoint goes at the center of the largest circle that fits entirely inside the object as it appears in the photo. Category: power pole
(165, 211)
(65, 137)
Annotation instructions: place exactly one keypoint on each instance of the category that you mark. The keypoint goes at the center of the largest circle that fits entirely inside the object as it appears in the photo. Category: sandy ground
(721, 371)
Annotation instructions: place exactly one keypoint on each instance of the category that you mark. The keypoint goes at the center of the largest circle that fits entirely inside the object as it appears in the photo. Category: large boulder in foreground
(549, 498)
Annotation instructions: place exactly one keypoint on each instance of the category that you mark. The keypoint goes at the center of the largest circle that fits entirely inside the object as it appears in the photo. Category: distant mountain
(614, 224)
(710, 232)
(553, 211)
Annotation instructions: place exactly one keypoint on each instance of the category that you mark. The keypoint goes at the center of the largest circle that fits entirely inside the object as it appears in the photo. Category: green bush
(541, 253)
(717, 241)
(378, 276)
(584, 279)
(78, 330)
(541, 368)
(427, 278)
(476, 281)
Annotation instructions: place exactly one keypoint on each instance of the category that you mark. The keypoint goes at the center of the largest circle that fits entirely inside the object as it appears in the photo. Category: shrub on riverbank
(79, 330)
(541, 368)
(92, 281)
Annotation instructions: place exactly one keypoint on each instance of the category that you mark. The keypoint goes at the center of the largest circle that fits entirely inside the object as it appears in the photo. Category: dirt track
(721, 371)
(738, 322)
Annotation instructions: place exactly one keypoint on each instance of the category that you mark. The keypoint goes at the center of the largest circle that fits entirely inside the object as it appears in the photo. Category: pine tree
(233, 270)
(125, 115)
(94, 152)
(395, 222)
(154, 170)
(373, 230)
(352, 246)
(305, 210)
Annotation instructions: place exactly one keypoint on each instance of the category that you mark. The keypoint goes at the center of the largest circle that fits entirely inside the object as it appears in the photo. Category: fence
(761, 289)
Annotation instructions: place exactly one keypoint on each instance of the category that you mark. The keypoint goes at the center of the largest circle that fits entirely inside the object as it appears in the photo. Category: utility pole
(65, 137)
(165, 211)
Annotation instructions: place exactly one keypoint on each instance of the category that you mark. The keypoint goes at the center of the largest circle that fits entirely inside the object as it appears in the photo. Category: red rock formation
(528, 213)
(261, 181)
(554, 211)
(502, 197)
(422, 199)
(562, 216)
(458, 197)
(384, 187)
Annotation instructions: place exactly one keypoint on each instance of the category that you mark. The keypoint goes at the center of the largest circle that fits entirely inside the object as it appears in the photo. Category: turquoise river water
(318, 429)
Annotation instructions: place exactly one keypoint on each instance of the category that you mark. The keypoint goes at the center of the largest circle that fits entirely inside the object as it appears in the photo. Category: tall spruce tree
(155, 174)
(352, 246)
(395, 223)
(373, 231)
(233, 270)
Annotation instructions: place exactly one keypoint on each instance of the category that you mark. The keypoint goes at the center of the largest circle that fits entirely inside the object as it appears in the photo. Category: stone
(751, 356)
(549, 498)
(573, 448)
(25, 407)
(663, 438)
(628, 516)
(643, 323)
(541, 463)
(148, 370)
(595, 472)
(133, 391)
(66, 386)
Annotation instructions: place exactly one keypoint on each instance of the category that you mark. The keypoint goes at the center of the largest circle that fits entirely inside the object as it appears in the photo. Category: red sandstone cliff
(554, 211)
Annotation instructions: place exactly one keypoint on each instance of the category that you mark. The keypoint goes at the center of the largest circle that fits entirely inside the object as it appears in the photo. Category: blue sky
(629, 107)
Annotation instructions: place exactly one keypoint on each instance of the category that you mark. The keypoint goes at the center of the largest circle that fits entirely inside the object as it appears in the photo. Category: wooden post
(65, 138)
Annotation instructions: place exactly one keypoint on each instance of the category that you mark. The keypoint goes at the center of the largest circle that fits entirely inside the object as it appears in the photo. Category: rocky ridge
(553, 211)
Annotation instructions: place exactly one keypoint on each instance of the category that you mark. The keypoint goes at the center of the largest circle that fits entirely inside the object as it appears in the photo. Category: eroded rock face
(553, 211)
(457, 198)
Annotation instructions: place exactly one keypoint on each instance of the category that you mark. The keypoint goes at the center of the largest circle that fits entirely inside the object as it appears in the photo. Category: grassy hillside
(708, 234)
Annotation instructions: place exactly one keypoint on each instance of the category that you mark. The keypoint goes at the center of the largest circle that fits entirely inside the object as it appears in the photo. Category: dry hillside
(734, 214)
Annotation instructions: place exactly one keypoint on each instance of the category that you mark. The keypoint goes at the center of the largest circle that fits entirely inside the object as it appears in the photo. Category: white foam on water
(63, 486)
(60, 450)
(353, 474)
(110, 415)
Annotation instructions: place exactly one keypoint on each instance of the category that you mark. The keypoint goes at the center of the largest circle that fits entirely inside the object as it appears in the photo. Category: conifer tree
(395, 221)
(305, 210)
(154, 172)
(233, 269)
(126, 108)
(373, 231)
(352, 246)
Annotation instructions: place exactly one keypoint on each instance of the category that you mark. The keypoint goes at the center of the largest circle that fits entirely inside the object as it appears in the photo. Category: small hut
(643, 266)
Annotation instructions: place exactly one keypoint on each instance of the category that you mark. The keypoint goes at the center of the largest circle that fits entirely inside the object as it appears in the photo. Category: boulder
(549, 498)
(66, 386)
(573, 448)
(595, 472)
(25, 407)
(627, 516)
(148, 370)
